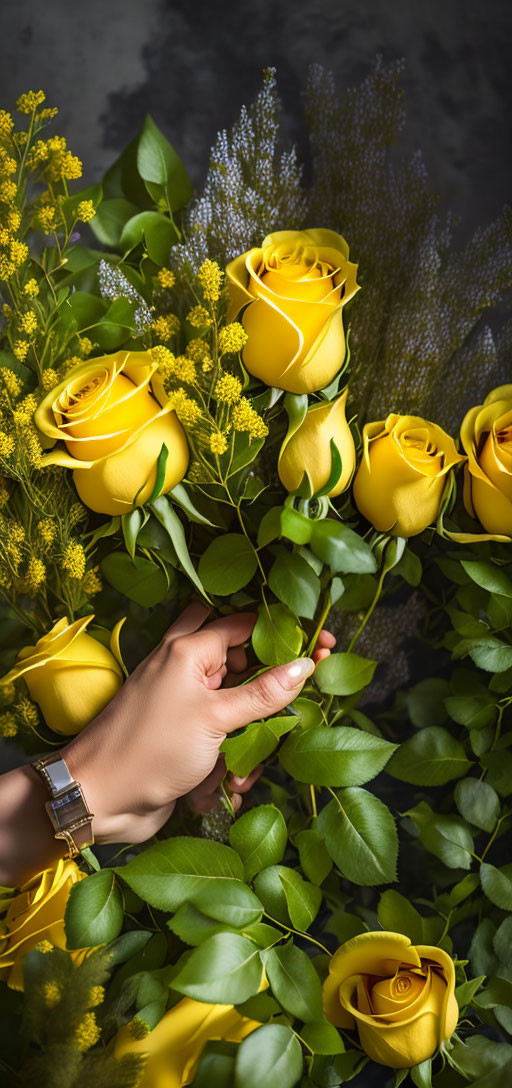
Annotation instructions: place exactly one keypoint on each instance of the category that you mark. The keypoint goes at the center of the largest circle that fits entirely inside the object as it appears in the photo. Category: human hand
(159, 738)
(205, 796)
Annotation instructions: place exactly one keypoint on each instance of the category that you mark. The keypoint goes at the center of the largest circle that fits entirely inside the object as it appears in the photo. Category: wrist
(85, 768)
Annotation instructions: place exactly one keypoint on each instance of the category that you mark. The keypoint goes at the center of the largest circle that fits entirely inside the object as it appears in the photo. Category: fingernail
(297, 671)
(236, 781)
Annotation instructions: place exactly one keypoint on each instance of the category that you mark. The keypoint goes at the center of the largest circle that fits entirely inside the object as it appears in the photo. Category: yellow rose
(402, 474)
(307, 450)
(113, 416)
(486, 436)
(175, 1045)
(292, 290)
(34, 914)
(70, 674)
(399, 996)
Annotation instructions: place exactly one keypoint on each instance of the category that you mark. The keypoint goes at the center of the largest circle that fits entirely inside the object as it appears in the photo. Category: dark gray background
(192, 63)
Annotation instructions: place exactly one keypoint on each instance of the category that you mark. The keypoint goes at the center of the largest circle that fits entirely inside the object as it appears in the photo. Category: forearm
(27, 842)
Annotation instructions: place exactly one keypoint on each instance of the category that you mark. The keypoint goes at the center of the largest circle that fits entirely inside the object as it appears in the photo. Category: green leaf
(260, 837)
(314, 858)
(270, 526)
(116, 326)
(447, 837)
(396, 914)
(499, 611)
(168, 517)
(258, 740)
(214, 1071)
(497, 992)
(159, 476)
(421, 1075)
(158, 162)
(489, 653)
(478, 803)
(155, 229)
(409, 568)
(287, 896)
(193, 927)
(110, 219)
(303, 899)
(340, 756)
(94, 911)
(503, 942)
(140, 580)
(336, 469)
(229, 902)
(131, 524)
(426, 702)
(361, 837)
(225, 969)
(499, 767)
(465, 993)
(180, 495)
(341, 548)
(344, 674)
(308, 712)
(322, 1038)
(129, 944)
(429, 758)
(475, 710)
(295, 526)
(86, 309)
(269, 1056)
(293, 582)
(228, 564)
(488, 576)
(294, 981)
(497, 885)
(276, 636)
(358, 592)
(174, 871)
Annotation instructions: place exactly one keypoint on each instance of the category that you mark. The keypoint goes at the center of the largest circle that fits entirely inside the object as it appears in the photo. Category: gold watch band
(67, 808)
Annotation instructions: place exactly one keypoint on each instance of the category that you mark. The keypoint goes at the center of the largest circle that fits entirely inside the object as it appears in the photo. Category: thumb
(265, 695)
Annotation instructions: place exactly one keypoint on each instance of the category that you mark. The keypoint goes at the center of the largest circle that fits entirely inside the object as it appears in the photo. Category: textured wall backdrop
(191, 64)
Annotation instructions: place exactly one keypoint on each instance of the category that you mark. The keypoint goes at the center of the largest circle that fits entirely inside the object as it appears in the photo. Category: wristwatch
(67, 807)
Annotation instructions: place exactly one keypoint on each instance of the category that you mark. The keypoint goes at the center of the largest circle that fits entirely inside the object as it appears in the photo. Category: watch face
(67, 808)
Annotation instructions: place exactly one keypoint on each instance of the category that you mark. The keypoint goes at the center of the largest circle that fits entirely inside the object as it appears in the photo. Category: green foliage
(341, 756)
(94, 911)
(360, 836)
(228, 564)
(260, 838)
(225, 969)
(270, 1056)
(276, 637)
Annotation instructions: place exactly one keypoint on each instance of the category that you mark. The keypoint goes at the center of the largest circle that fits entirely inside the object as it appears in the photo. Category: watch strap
(67, 808)
(55, 772)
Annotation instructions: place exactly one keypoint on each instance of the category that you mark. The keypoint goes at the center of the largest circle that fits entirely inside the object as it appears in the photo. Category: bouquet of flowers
(212, 395)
